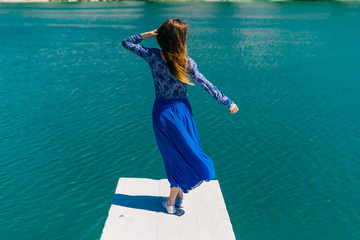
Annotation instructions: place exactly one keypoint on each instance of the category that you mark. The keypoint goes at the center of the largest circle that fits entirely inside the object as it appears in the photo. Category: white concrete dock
(136, 213)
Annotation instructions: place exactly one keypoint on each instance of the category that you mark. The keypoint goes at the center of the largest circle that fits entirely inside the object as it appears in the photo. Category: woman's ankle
(170, 203)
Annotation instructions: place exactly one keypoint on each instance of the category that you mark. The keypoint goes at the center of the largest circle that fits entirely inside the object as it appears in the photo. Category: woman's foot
(179, 202)
(169, 208)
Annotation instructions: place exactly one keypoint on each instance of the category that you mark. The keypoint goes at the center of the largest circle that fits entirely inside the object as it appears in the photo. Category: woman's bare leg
(180, 195)
(173, 192)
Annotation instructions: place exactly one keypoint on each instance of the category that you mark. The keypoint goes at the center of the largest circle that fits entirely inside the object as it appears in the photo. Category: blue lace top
(166, 84)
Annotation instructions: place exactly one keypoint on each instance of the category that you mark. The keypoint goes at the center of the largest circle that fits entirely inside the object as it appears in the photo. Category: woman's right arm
(132, 44)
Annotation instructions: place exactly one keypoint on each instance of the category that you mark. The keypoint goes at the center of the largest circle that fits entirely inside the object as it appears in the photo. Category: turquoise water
(76, 114)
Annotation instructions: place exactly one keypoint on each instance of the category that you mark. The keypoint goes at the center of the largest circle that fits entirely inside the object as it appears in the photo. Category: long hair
(172, 39)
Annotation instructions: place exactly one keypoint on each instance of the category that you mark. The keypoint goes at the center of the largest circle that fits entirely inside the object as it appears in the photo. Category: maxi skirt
(186, 165)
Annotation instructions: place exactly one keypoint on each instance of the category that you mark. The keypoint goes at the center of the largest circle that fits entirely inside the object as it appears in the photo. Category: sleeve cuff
(229, 103)
(139, 36)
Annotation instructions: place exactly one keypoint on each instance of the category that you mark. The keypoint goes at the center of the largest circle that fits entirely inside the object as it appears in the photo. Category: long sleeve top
(166, 84)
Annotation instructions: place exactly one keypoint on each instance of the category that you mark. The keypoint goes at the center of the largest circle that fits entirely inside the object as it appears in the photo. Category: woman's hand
(152, 33)
(234, 108)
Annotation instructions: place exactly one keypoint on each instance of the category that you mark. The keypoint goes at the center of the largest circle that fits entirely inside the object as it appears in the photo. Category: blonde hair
(172, 39)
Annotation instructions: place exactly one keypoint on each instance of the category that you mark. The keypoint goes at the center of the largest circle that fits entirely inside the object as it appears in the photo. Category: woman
(186, 165)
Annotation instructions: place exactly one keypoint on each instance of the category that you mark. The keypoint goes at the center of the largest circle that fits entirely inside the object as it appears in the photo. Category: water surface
(76, 114)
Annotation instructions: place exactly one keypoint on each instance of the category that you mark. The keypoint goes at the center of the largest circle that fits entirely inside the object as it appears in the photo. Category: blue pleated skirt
(186, 165)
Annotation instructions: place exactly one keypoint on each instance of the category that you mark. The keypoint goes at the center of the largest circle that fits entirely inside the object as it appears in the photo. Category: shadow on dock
(150, 203)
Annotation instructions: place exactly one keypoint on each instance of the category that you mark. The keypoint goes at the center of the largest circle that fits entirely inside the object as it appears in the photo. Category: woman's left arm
(199, 78)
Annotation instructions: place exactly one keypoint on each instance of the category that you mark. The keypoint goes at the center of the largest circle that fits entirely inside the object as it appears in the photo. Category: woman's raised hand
(234, 108)
(152, 33)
